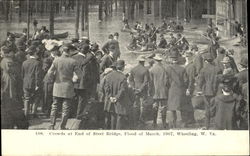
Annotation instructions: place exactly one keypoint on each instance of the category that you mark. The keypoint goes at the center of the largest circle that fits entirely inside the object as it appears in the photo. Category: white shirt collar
(32, 57)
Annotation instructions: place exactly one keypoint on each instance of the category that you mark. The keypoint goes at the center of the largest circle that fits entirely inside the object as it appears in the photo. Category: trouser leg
(27, 99)
(173, 116)
(65, 112)
(113, 121)
(119, 122)
(142, 109)
(163, 110)
(81, 94)
(54, 110)
(155, 111)
(207, 111)
(107, 121)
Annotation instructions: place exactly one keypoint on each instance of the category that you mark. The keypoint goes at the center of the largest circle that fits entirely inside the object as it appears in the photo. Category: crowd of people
(70, 76)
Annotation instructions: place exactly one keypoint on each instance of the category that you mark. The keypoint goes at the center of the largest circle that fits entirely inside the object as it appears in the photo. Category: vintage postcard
(124, 77)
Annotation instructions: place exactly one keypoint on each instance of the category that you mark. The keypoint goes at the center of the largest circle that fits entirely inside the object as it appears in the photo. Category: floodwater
(99, 31)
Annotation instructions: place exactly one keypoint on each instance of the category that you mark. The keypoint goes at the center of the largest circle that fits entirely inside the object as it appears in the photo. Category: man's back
(140, 76)
(208, 79)
(32, 73)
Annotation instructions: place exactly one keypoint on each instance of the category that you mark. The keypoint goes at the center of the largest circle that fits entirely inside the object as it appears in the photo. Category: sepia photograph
(149, 67)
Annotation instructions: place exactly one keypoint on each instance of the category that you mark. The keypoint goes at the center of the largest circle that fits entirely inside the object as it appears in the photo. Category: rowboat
(59, 36)
(140, 52)
(62, 35)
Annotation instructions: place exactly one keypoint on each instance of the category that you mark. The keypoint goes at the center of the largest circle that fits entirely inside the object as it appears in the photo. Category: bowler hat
(120, 63)
(31, 50)
(244, 61)
(68, 46)
(140, 58)
(226, 59)
(116, 34)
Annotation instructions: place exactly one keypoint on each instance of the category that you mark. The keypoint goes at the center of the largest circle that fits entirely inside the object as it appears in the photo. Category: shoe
(165, 126)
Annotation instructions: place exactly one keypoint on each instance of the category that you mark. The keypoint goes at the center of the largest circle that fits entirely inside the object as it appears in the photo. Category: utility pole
(51, 18)
(100, 10)
(28, 19)
(77, 19)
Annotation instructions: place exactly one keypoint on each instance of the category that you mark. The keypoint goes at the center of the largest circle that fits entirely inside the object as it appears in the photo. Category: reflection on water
(98, 31)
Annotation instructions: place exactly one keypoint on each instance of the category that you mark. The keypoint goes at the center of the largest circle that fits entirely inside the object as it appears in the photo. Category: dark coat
(139, 79)
(10, 85)
(116, 86)
(47, 62)
(81, 83)
(178, 84)
(224, 108)
(32, 73)
(92, 72)
(63, 68)
(159, 79)
(163, 43)
(115, 43)
(190, 70)
(208, 80)
(106, 62)
(242, 77)
(198, 63)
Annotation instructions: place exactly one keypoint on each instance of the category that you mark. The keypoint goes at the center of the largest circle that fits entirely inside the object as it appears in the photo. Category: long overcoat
(178, 85)
(224, 108)
(63, 68)
(159, 79)
(116, 86)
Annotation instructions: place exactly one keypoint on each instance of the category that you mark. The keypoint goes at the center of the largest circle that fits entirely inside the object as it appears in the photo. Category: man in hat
(198, 60)
(12, 114)
(48, 82)
(159, 78)
(187, 112)
(163, 42)
(224, 107)
(242, 76)
(139, 80)
(32, 81)
(10, 42)
(110, 43)
(181, 42)
(207, 83)
(221, 53)
(116, 90)
(178, 85)
(80, 85)
(108, 59)
(172, 39)
(92, 68)
(65, 71)
(133, 42)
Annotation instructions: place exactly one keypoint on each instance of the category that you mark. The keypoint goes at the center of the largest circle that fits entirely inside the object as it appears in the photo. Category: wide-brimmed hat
(226, 60)
(244, 61)
(120, 63)
(141, 58)
(158, 57)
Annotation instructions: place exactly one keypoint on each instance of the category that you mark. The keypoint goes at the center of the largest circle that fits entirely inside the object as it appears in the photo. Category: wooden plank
(208, 16)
